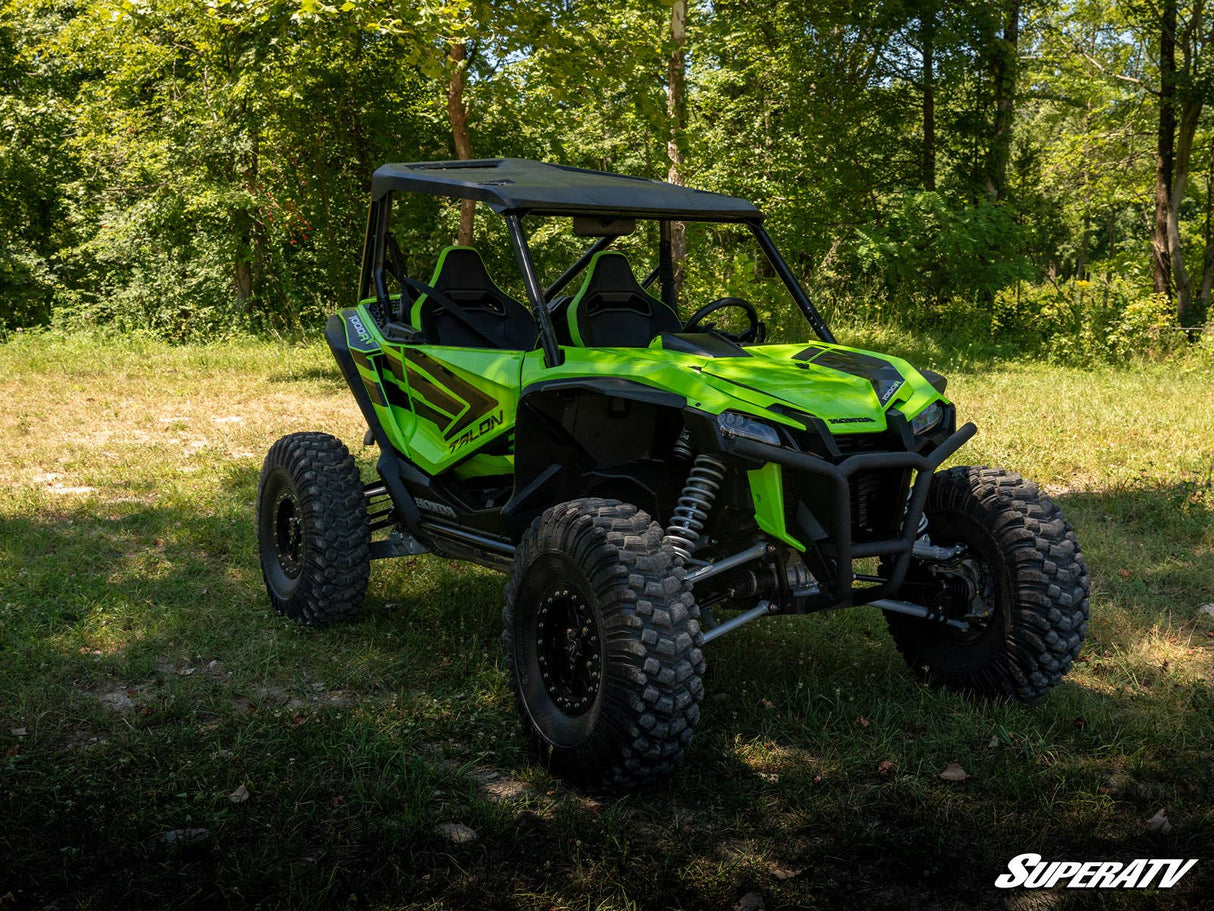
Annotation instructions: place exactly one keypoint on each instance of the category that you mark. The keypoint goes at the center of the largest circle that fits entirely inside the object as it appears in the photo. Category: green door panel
(460, 399)
(367, 350)
(438, 404)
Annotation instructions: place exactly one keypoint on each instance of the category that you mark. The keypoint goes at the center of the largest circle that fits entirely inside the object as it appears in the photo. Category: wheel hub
(965, 590)
(980, 588)
(954, 596)
(567, 646)
(288, 534)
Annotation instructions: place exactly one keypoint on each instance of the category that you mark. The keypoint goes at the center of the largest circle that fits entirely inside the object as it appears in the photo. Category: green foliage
(933, 257)
(26, 287)
(1078, 321)
(200, 169)
(32, 126)
(221, 161)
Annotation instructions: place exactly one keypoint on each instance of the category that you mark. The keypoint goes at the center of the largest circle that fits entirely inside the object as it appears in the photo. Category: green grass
(140, 659)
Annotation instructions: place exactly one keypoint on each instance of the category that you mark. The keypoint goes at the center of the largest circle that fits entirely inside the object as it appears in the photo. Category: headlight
(926, 419)
(733, 424)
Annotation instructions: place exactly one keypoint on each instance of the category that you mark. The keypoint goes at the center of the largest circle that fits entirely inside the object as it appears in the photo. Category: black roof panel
(517, 186)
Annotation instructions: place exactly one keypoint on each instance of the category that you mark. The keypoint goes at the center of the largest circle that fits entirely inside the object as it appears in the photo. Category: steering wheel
(755, 332)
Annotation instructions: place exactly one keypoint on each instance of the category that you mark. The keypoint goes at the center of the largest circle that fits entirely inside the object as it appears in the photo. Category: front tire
(312, 533)
(603, 645)
(1029, 609)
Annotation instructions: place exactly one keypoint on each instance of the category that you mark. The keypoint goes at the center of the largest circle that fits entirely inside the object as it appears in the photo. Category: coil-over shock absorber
(682, 447)
(699, 493)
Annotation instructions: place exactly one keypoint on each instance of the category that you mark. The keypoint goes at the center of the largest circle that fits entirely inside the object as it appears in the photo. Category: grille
(878, 498)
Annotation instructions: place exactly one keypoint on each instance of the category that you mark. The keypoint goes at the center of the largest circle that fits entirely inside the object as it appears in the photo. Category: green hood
(849, 388)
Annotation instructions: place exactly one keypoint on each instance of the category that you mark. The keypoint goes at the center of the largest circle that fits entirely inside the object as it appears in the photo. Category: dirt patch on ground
(500, 788)
(211, 669)
(268, 696)
(118, 696)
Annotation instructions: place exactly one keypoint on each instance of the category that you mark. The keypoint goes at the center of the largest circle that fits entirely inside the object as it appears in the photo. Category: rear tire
(312, 532)
(603, 645)
(1032, 578)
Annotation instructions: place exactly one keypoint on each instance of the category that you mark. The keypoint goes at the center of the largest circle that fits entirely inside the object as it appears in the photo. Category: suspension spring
(922, 530)
(682, 447)
(699, 493)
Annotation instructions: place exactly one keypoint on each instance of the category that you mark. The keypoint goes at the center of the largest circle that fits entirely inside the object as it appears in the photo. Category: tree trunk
(1165, 145)
(1190, 113)
(248, 248)
(927, 40)
(457, 113)
(676, 114)
(1207, 266)
(244, 269)
(1006, 64)
(1081, 268)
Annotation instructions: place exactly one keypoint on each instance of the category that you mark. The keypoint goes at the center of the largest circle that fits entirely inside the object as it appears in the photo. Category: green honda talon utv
(647, 480)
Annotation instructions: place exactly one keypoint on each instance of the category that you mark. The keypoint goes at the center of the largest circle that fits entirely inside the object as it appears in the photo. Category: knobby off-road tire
(1037, 588)
(603, 645)
(312, 532)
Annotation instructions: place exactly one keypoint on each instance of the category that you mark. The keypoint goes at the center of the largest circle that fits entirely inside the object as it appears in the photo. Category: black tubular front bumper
(841, 591)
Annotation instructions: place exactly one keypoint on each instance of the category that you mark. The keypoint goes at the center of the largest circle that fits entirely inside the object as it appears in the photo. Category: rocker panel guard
(900, 548)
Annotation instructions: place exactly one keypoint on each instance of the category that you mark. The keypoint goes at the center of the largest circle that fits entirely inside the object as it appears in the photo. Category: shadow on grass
(1150, 545)
(142, 660)
(329, 375)
(149, 680)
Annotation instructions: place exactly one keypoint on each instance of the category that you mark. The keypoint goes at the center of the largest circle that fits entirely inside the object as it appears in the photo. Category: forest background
(1034, 176)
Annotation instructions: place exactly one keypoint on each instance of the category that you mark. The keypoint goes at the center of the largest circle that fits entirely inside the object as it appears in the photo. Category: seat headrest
(460, 273)
(610, 271)
(611, 309)
(610, 280)
(460, 268)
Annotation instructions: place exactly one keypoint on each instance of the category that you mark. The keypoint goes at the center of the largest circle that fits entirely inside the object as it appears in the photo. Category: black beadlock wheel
(312, 534)
(603, 645)
(1023, 576)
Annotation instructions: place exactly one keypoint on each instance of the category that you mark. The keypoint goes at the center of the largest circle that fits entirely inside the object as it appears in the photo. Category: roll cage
(516, 189)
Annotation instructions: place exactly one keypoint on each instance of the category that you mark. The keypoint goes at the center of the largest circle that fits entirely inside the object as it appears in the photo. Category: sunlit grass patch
(151, 680)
